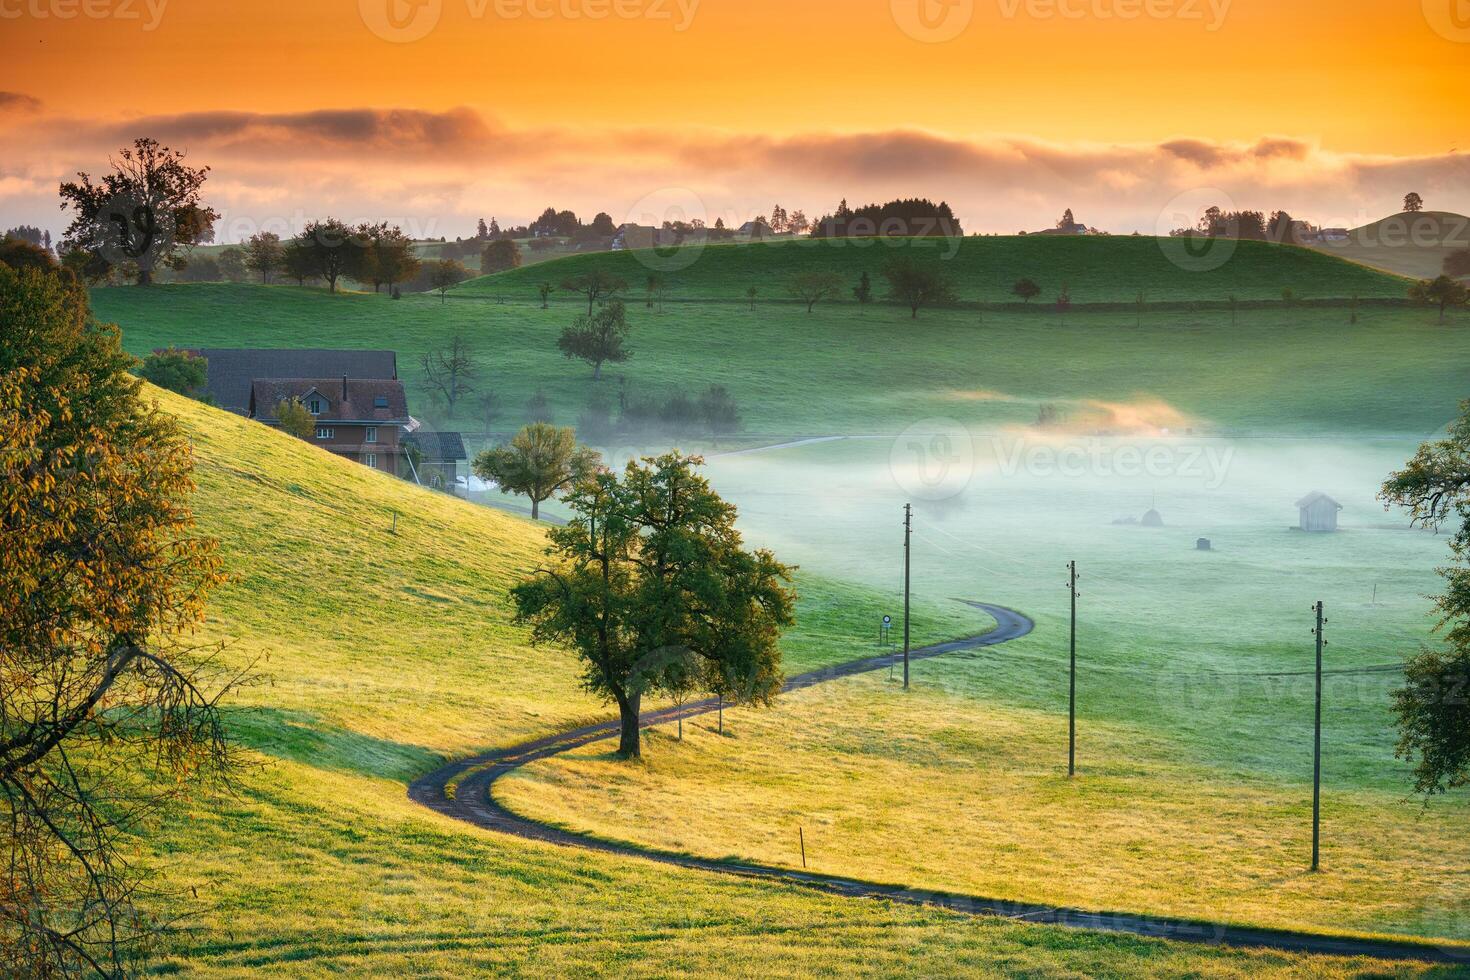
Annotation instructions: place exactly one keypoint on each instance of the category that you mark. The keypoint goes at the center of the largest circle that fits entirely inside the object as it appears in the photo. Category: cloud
(439, 170)
(18, 102)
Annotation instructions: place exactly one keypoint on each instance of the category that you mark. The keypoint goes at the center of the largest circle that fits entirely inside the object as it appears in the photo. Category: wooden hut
(1318, 512)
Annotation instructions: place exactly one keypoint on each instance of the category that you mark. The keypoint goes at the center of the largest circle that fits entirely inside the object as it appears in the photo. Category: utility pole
(1317, 744)
(1072, 674)
(908, 526)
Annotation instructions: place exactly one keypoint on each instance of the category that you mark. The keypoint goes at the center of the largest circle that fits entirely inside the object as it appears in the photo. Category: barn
(1318, 512)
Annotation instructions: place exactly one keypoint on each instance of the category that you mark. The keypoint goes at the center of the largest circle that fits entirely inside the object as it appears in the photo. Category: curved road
(474, 803)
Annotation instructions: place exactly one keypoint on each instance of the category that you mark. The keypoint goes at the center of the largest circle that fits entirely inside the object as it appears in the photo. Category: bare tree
(451, 371)
(809, 287)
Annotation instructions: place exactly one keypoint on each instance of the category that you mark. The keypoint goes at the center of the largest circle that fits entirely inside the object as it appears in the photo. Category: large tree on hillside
(916, 285)
(444, 275)
(598, 285)
(597, 337)
(142, 212)
(388, 257)
(265, 254)
(106, 711)
(1433, 710)
(813, 286)
(540, 461)
(650, 584)
(1413, 202)
(500, 255)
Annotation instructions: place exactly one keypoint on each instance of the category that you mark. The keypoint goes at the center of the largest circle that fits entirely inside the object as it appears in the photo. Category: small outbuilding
(1318, 512)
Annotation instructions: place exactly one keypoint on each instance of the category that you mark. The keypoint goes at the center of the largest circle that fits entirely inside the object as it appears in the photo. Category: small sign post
(885, 631)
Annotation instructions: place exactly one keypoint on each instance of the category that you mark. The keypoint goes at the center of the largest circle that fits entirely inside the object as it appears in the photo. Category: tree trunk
(628, 745)
(597, 371)
(535, 509)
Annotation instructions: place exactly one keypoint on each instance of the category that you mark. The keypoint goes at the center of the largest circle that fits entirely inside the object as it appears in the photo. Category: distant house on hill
(433, 457)
(359, 418)
(1318, 512)
(1335, 234)
(755, 229)
(232, 370)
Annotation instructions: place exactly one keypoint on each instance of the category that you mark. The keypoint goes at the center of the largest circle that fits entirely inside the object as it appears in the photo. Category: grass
(1281, 370)
(1093, 269)
(381, 654)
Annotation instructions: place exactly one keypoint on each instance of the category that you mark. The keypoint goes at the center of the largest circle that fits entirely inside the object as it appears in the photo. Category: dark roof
(232, 369)
(438, 445)
(360, 405)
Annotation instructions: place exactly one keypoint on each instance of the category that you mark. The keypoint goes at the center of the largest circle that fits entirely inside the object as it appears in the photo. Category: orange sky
(1366, 78)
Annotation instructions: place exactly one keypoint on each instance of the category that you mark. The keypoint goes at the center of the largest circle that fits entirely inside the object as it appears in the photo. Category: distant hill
(1102, 269)
(1405, 244)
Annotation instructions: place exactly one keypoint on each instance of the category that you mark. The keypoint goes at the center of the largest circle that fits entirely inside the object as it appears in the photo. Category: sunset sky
(436, 112)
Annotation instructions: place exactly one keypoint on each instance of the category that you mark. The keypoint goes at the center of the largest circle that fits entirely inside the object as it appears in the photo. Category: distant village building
(1335, 234)
(1318, 512)
(232, 370)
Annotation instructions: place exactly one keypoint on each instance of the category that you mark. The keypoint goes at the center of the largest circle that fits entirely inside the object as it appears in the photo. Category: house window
(370, 459)
(326, 433)
(314, 406)
(370, 434)
(380, 401)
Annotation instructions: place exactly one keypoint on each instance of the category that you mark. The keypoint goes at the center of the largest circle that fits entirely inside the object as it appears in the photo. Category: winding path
(473, 803)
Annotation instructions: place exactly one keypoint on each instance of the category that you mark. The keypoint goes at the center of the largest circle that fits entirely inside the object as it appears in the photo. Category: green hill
(379, 654)
(1103, 269)
(1405, 244)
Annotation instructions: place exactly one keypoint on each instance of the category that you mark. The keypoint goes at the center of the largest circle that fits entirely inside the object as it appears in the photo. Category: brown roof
(368, 399)
(233, 369)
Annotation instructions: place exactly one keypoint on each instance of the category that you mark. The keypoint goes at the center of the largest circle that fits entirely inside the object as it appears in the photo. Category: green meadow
(1024, 439)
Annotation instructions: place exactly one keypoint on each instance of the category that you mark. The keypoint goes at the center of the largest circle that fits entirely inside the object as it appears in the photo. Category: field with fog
(1194, 686)
(1024, 440)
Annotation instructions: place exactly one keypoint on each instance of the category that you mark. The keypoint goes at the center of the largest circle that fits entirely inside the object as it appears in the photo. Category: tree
(298, 262)
(1067, 222)
(1443, 292)
(539, 462)
(487, 410)
(544, 291)
(142, 211)
(500, 255)
(1457, 264)
(650, 577)
(21, 254)
(264, 254)
(482, 230)
(328, 250)
(863, 291)
(450, 371)
(1281, 228)
(1026, 289)
(1433, 712)
(812, 286)
(181, 371)
(798, 223)
(107, 711)
(602, 225)
(1413, 202)
(231, 264)
(916, 285)
(538, 409)
(295, 420)
(388, 257)
(750, 295)
(445, 274)
(597, 285)
(597, 338)
(719, 412)
(201, 268)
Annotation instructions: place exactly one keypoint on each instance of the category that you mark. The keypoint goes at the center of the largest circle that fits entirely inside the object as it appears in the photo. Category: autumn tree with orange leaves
(107, 710)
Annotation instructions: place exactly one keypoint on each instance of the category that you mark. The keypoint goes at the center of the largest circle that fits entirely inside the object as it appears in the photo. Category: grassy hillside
(379, 654)
(1413, 245)
(1279, 370)
(1110, 269)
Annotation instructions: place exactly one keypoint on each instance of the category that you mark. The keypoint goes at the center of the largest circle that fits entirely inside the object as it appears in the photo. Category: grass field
(1094, 269)
(1413, 245)
(383, 654)
(1278, 370)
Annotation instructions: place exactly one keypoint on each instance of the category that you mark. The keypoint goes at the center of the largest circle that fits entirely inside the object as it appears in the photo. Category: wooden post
(802, 838)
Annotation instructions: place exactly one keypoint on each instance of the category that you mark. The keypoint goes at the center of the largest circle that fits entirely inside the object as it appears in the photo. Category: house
(232, 370)
(1318, 512)
(755, 229)
(433, 458)
(359, 418)
(1335, 234)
